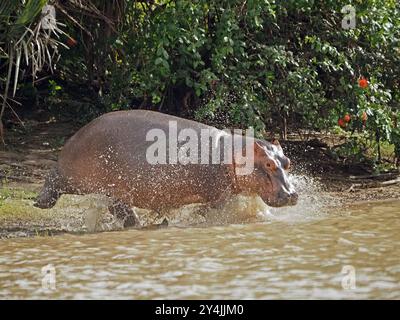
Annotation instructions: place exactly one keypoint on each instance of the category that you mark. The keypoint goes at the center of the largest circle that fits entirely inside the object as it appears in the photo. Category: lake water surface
(351, 253)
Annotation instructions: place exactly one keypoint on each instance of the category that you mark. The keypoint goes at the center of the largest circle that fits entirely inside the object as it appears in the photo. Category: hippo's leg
(51, 191)
(161, 213)
(154, 226)
(125, 213)
(219, 205)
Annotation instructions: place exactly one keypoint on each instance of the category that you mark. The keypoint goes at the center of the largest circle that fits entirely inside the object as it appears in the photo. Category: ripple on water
(299, 253)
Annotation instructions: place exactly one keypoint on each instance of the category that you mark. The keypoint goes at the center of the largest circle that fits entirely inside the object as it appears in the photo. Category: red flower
(347, 118)
(363, 83)
(341, 123)
(364, 116)
(71, 42)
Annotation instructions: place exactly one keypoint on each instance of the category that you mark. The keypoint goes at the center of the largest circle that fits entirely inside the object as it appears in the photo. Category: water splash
(89, 213)
(313, 202)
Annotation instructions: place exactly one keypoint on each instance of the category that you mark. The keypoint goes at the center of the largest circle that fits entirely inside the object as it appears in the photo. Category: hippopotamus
(110, 156)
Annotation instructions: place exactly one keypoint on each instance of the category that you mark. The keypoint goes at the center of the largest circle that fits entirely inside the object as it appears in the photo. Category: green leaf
(31, 10)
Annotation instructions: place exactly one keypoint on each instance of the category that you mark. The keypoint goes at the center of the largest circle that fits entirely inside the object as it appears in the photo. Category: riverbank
(30, 153)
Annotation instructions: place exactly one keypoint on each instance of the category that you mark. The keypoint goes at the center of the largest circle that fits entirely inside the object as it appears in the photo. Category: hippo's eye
(270, 165)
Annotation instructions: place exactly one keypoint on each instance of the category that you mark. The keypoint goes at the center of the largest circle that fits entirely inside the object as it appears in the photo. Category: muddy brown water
(350, 253)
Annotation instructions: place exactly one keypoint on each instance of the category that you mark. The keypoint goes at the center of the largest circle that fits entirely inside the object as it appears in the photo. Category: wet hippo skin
(108, 156)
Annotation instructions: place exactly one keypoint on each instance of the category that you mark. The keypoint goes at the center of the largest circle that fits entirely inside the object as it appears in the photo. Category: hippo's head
(269, 179)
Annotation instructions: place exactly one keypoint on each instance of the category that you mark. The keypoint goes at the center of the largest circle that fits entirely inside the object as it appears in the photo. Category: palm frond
(25, 39)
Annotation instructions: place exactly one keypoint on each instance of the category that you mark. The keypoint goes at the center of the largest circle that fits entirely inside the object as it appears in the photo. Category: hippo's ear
(276, 143)
(258, 148)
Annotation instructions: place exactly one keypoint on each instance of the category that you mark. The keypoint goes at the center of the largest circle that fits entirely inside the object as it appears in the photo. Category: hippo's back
(127, 128)
(108, 155)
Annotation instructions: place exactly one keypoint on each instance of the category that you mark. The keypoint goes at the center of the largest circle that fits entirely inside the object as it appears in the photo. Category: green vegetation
(275, 65)
(16, 203)
(14, 193)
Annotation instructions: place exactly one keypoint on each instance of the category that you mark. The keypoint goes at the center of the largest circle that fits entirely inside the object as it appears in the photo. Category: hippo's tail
(50, 192)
